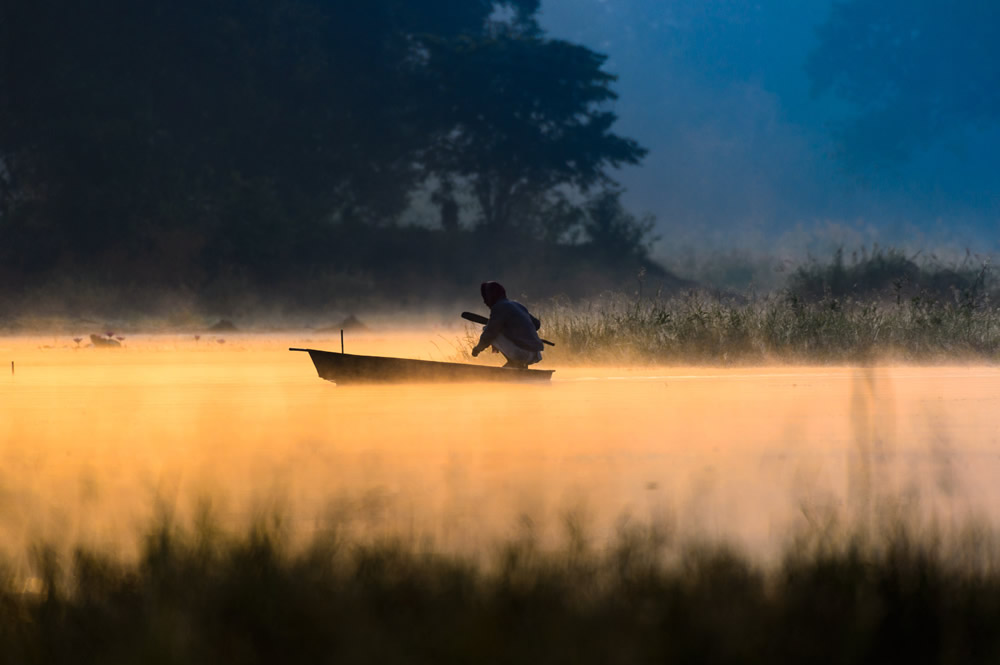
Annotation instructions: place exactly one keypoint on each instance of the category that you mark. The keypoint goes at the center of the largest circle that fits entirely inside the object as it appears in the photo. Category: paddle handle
(478, 318)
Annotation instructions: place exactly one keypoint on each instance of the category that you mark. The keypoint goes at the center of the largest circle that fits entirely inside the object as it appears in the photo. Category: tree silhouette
(612, 231)
(521, 116)
(178, 142)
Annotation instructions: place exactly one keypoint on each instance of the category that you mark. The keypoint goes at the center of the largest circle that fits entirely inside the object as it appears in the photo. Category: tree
(521, 116)
(125, 121)
(443, 197)
(613, 233)
(121, 120)
(181, 139)
(913, 72)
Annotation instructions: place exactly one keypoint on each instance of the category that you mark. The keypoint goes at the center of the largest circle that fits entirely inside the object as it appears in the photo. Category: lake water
(93, 442)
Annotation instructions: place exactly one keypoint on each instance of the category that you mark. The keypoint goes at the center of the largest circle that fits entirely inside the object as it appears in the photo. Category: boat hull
(345, 368)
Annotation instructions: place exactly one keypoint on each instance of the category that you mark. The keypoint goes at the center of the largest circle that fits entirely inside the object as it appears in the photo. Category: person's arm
(498, 317)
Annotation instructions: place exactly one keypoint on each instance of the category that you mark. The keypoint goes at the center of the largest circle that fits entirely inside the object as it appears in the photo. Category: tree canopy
(185, 138)
(523, 115)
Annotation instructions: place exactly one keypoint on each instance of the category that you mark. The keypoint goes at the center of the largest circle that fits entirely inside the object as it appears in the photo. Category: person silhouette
(510, 330)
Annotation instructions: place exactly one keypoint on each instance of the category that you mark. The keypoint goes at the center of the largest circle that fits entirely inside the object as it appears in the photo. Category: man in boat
(511, 329)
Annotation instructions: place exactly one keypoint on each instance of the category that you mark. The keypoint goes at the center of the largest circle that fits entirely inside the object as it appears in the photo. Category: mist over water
(739, 221)
(93, 442)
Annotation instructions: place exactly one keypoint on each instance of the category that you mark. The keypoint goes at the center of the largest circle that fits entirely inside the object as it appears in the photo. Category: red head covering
(492, 292)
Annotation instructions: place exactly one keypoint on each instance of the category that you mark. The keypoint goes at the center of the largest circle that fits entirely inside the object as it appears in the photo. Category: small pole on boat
(341, 344)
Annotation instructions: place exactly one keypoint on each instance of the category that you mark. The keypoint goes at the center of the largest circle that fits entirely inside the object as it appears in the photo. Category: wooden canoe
(344, 368)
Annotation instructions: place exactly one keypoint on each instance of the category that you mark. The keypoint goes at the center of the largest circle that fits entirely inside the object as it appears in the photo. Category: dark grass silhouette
(892, 593)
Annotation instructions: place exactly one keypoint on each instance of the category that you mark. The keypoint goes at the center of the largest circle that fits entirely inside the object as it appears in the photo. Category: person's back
(513, 320)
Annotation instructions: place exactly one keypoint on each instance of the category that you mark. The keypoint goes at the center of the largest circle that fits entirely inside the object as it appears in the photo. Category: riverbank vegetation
(782, 328)
(878, 305)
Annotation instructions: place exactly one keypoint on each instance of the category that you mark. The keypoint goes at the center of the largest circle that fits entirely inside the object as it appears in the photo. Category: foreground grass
(781, 328)
(196, 596)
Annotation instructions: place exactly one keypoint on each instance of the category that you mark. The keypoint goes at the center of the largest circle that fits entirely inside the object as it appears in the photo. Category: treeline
(186, 145)
(889, 275)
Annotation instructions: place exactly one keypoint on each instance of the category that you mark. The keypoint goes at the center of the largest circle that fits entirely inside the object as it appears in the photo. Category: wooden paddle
(476, 318)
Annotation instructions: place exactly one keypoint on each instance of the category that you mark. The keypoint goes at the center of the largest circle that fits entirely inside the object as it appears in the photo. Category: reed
(875, 304)
(777, 328)
(895, 593)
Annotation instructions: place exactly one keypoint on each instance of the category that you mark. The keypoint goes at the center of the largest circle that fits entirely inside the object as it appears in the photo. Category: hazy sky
(740, 152)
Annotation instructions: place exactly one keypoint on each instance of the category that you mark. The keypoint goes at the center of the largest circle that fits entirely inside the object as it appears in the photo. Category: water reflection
(92, 441)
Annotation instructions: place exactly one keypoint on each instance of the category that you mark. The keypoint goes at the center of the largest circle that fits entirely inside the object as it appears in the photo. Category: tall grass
(879, 304)
(784, 328)
(897, 593)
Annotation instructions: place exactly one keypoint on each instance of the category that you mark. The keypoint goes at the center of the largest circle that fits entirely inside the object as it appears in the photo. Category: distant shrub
(889, 276)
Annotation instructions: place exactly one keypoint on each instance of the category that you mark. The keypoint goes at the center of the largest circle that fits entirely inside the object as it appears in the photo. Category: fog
(96, 442)
(759, 233)
(744, 152)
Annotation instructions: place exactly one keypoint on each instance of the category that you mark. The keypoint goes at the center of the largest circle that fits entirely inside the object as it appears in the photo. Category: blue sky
(740, 151)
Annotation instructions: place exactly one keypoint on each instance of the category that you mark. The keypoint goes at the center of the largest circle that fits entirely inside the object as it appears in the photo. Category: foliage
(181, 143)
(523, 115)
(881, 305)
(888, 275)
(777, 328)
(612, 231)
(899, 593)
(217, 128)
(345, 267)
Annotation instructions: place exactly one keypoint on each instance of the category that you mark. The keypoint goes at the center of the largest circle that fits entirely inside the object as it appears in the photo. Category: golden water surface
(93, 441)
